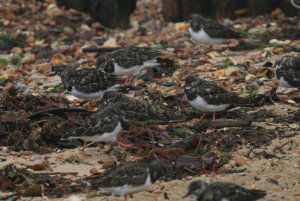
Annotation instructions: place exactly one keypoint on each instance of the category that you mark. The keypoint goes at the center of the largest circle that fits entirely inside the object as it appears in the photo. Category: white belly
(200, 104)
(202, 37)
(105, 137)
(284, 83)
(119, 70)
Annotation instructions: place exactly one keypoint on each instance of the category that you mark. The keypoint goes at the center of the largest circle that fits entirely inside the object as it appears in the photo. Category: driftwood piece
(221, 123)
(48, 111)
(100, 49)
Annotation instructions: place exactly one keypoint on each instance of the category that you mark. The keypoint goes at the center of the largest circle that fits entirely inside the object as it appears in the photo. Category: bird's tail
(258, 99)
(258, 193)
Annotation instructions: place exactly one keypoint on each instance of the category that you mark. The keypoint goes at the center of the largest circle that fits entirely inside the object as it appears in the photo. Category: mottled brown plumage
(86, 83)
(129, 179)
(130, 108)
(287, 69)
(221, 191)
(129, 60)
(210, 31)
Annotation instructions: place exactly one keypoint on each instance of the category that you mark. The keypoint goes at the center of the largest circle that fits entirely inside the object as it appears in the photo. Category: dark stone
(113, 13)
(171, 10)
(82, 5)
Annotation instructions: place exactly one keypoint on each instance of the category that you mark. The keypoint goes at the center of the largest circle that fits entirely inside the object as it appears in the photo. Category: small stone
(69, 31)
(28, 58)
(272, 181)
(240, 161)
(39, 164)
(294, 126)
(230, 71)
(5, 149)
(181, 26)
(85, 27)
(44, 68)
(108, 164)
(111, 42)
(250, 77)
(93, 171)
(252, 87)
(58, 59)
(297, 192)
(96, 25)
(16, 50)
(139, 83)
(278, 50)
(54, 10)
(219, 73)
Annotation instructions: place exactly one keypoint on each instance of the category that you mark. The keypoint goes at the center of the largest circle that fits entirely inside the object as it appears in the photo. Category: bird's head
(59, 69)
(105, 63)
(197, 188)
(157, 170)
(191, 81)
(195, 19)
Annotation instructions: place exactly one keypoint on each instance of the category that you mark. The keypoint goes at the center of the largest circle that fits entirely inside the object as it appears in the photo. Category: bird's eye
(69, 88)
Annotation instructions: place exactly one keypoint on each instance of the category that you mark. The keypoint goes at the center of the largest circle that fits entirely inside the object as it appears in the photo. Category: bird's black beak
(53, 73)
(186, 195)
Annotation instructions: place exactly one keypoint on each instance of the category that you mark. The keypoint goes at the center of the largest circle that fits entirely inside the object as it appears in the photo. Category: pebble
(69, 31)
(5, 149)
(252, 87)
(44, 68)
(272, 181)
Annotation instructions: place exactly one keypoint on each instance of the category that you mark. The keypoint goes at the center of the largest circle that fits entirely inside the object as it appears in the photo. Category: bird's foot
(123, 145)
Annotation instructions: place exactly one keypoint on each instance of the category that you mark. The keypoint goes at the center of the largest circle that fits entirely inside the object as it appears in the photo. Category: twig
(281, 146)
(6, 197)
(221, 123)
(48, 111)
(54, 173)
(100, 49)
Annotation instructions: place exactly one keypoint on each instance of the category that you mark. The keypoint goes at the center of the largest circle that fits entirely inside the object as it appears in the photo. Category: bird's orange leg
(201, 118)
(128, 79)
(123, 145)
(85, 145)
(214, 116)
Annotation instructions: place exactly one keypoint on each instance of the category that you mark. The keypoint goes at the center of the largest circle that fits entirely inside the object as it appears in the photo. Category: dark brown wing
(212, 93)
(133, 174)
(233, 192)
(217, 30)
(97, 123)
(130, 108)
(133, 56)
(289, 69)
(91, 80)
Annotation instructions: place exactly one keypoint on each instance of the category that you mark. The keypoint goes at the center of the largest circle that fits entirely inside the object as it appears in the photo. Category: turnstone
(287, 70)
(209, 31)
(102, 126)
(129, 179)
(219, 191)
(129, 60)
(86, 83)
(130, 108)
(206, 96)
